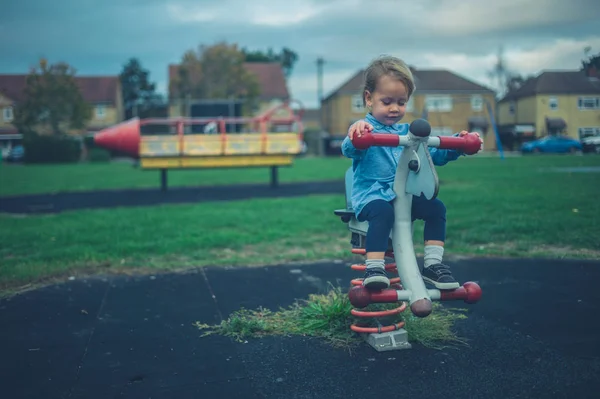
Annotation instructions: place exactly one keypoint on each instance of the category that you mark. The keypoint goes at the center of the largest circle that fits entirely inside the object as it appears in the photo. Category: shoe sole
(376, 283)
(442, 286)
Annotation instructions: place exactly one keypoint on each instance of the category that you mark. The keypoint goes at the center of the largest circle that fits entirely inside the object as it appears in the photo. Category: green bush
(88, 141)
(98, 155)
(51, 149)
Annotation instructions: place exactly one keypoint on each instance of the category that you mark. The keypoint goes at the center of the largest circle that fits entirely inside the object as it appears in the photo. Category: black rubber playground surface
(66, 201)
(535, 334)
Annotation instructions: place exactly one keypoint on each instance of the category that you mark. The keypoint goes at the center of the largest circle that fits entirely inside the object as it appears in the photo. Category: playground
(532, 335)
(103, 288)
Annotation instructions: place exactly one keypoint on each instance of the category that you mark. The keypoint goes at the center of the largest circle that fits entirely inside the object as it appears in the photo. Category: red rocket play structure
(272, 139)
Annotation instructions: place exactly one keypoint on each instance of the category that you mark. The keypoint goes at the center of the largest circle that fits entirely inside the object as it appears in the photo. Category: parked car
(591, 144)
(552, 144)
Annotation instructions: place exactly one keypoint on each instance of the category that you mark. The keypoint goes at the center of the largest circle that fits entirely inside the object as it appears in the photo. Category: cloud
(558, 54)
(561, 54)
(258, 12)
(304, 86)
(98, 38)
(469, 17)
(181, 14)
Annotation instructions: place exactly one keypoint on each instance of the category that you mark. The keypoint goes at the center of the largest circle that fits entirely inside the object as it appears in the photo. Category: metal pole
(320, 62)
(163, 179)
(493, 120)
(230, 128)
(274, 177)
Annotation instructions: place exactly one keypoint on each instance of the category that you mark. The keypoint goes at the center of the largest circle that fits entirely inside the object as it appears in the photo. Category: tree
(287, 58)
(258, 56)
(507, 80)
(187, 82)
(500, 73)
(514, 82)
(52, 102)
(592, 62)
(138, 92)
(215, 72)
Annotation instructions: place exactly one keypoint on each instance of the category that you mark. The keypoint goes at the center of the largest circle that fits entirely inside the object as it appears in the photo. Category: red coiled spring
(394, 283)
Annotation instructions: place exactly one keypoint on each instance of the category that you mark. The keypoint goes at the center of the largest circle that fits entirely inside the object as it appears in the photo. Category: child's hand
(464, 133)
(358, 127)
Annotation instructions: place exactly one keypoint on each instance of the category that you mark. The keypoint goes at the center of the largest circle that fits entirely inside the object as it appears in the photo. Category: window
(100, 111)
(441, 131)
(589, 131)
(512, 108)
(438, 103)
(476, 103)
(357, 103)
(7, 114)
(589, 103)
(553, 103)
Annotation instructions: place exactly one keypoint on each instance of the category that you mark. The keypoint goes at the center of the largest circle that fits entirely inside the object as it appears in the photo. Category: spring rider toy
(415, 175)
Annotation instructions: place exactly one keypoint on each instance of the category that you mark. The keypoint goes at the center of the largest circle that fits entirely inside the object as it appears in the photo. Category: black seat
(344, 214)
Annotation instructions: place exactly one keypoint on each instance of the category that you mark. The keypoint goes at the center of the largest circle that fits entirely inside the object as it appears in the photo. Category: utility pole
(320, 62)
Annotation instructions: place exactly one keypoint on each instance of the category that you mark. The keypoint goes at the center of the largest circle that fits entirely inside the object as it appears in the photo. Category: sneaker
(376, 279)
(440, 276)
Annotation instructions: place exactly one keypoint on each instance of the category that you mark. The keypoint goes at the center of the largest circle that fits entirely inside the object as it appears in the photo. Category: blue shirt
(375, 167)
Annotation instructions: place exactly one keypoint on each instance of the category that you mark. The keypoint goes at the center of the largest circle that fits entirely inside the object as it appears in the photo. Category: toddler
(388, 85)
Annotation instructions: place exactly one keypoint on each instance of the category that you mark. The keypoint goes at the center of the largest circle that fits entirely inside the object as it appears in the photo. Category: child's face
(388, 101)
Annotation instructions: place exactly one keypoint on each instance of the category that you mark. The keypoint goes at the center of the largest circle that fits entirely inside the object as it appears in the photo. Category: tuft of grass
(328, 317)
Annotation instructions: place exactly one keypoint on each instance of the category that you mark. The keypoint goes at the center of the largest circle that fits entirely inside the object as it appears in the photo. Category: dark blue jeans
(380, 215)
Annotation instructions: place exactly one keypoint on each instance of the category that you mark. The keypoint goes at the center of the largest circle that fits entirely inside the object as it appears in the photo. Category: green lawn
(34, 179)
(513, 207)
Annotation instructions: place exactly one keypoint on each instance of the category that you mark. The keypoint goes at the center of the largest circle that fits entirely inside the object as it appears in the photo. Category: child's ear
(368, 98)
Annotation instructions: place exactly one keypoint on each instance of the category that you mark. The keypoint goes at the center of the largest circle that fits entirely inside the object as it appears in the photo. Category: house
(311, 119)
(553, 102)
(449, 102)
(9, 136)
(102, 92)
(106, 96)
(272, 84)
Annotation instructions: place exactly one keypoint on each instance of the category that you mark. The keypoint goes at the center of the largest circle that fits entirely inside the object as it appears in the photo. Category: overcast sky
(99, 37)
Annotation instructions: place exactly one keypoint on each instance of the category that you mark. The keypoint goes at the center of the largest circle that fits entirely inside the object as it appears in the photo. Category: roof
(271, 79)
(98, 89)
(426, 80)
(11, 86)
(270, 76)
(556, 82)
(353, 85)
(94, 89)
(441, 80)
(7, 130)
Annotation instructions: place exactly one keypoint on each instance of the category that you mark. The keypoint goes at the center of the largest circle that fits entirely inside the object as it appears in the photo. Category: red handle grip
(369, 139)
(469, 144)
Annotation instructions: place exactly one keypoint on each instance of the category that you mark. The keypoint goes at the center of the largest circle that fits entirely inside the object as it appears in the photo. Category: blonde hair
(387, 65)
